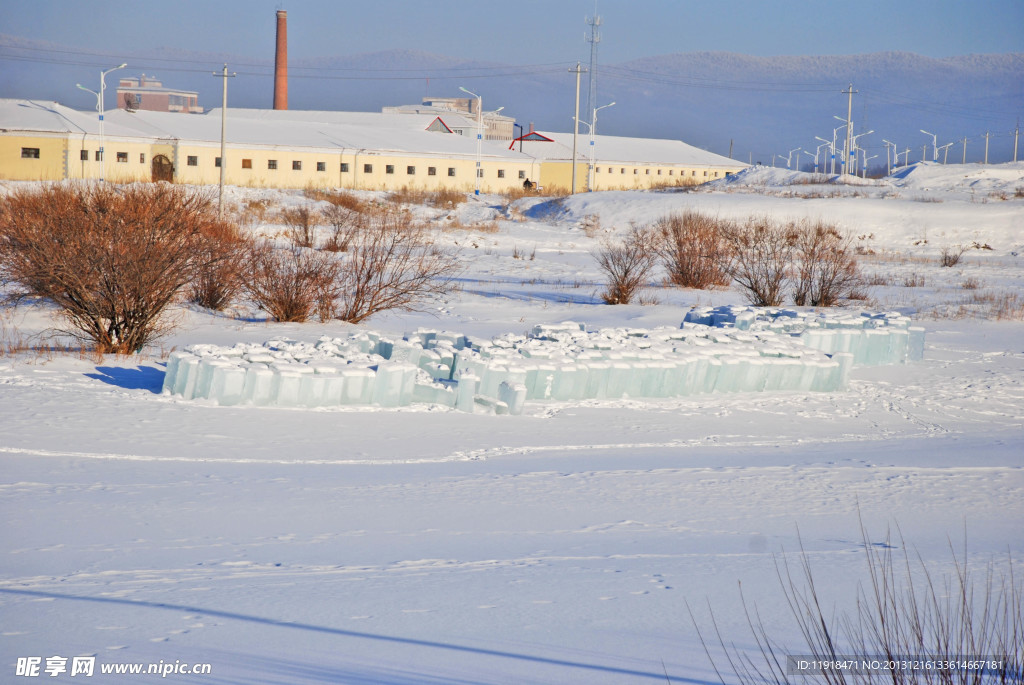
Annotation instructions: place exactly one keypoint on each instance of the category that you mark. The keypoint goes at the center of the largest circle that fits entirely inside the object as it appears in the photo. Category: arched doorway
(163, 170)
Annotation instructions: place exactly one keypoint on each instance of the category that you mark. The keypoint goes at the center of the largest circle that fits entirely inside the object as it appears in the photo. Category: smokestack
(281, 62)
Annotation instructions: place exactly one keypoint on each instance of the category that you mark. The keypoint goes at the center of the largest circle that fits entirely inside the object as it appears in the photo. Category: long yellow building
(298, 149)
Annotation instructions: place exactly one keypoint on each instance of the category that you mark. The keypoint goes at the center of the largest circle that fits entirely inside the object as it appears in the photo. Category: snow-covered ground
(423, 545)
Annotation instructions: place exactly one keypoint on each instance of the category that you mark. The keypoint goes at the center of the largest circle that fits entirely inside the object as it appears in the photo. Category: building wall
(195, 163)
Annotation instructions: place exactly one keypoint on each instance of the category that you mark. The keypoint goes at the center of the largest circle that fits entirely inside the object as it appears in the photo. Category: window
(84, 155)
(410, 170)
(716, 174)
(501, 173)
(271, 163)
(479, 173)
(344, 167)
(622, 170)
(671, 172)
(659, 172)
(647, 172)
(321, 166)
(367, 168)
(142, 158)
(451, 171)
(192, 160)
(693, 173)
(30, 153)
(122, 157)
(705, 173)
(296, 165)
(99, 155)
(522, 174)
(247, 164)
(216, 162)
(597, 169)
(431, 171)
(636, 172)
(389, 168)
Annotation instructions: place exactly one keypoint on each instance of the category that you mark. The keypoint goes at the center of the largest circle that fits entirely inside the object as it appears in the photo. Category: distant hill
(764, 105)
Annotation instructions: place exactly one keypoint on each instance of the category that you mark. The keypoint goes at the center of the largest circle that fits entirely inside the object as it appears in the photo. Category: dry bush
(951, 255)
(826, 270)
(627, 264)
(811, 180)
(693, 250)
(302, 223)
(219, 276)
(408, 196)
(341, 198)
(762, 252)
(591, 225)
(392, 264)
(898, 616)
(345, 222)
(970, 283)
(446, 197)
(913, 280)
(111, 258)
(291, 283)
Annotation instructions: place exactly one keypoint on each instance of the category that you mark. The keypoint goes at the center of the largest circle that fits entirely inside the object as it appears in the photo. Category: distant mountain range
(758, 106)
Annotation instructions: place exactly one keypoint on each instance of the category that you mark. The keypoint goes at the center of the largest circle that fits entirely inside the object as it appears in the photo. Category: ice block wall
(724, 350)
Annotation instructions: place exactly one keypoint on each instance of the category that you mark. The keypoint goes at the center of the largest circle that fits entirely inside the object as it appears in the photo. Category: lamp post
(888, 166)
(864, 169)
(835, 132)
(99, 106)
(945, 151)
(935, 145)
(103, 87)
(593, 133)
(854, 148)
(479, 134)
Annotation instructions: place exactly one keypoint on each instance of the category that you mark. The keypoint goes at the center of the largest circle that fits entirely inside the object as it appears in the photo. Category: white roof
(369, 131)
(627, 151)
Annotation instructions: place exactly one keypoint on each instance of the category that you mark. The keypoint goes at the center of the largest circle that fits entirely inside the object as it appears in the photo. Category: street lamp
(103, 87)
(854, 148)
(479, 133)
(99, 107)
(888, 144)
(593, 133)
(935, 145)
(945, 153)
(831, 149)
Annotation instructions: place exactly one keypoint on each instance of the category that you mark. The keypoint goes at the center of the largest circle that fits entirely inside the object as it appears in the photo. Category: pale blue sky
(525, 31)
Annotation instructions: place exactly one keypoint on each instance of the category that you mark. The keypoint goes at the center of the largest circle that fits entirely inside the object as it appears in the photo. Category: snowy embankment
(419, 544)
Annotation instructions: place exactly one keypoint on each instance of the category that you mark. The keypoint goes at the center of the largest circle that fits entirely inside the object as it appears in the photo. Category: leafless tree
(762, 251)
(693, 249)
(627, 264)
(392, 264)
(111, 258)
(291, 283)
(825, 267)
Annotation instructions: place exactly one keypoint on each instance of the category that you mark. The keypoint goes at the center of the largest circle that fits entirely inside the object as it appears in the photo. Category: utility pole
(730, 150)
(1016, 134)
(223, 127)
(987, 134)
(849, 126)
(575, 124)
(964, 160)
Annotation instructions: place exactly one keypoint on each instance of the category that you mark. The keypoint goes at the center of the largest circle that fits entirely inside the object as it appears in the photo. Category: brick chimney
(281, 62)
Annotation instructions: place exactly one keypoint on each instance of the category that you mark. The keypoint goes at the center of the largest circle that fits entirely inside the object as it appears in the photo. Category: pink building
(148, 93)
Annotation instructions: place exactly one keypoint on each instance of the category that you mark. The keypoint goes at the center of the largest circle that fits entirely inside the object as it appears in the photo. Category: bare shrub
(392, 264)
(446, 197)
(913, 280)
(826, 270)
(970, 283)
(693, 249)
(946, 621)
(291, 283)
(761, 255)
(302, 223)
(345, 222)
(218, 277)
(951, 255)
(111, 258)
(627, 264)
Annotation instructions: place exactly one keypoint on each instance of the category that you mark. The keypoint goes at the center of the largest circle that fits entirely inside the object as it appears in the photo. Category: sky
(525, 31)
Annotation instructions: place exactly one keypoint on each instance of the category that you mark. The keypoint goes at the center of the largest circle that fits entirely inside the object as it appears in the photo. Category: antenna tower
(595, 37)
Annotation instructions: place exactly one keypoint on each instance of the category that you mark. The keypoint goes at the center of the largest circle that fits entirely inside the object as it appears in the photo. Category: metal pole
(1016, 134)
(223, 145)
(103, 86)
(964, 161)
(575, 125)
(849, 128)
(986, 146)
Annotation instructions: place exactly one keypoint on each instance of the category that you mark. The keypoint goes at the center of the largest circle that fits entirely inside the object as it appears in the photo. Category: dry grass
(913, 280)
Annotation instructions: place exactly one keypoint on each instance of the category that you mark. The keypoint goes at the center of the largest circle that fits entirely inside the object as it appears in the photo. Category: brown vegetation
(693, 250)
(627, 264)
(111, 258)
(291, 283)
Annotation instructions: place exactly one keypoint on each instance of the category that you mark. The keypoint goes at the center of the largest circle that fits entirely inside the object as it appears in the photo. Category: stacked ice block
(724, 350)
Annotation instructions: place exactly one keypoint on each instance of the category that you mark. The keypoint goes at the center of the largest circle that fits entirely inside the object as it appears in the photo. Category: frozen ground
(423, 545)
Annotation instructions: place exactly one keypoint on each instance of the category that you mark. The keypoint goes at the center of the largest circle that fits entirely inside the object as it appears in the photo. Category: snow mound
(729, 349)
(986, 178)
